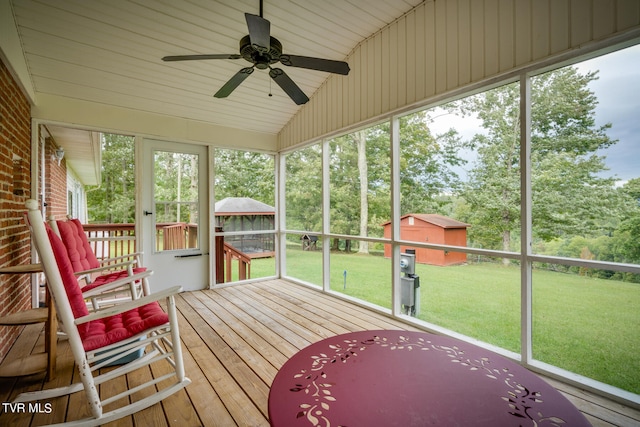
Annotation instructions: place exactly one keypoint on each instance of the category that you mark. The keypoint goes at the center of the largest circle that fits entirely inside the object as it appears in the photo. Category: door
(174, 217)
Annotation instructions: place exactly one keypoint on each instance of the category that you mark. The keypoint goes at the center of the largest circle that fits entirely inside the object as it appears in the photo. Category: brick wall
(55, 182)
(15, 166)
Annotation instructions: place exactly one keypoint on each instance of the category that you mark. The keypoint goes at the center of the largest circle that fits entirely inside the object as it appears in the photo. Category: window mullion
(326, 240)
(281, 217)
(395, 214)
(525, 220)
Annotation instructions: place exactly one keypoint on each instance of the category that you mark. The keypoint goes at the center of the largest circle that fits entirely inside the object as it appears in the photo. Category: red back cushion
(69, 280)
(77, 245)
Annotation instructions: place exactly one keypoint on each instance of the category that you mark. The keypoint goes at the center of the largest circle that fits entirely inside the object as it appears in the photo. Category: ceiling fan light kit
(263, 51)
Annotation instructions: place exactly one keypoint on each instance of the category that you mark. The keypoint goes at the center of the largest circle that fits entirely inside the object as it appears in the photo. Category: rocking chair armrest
(129, 305)
(121, 266)
(95, 292)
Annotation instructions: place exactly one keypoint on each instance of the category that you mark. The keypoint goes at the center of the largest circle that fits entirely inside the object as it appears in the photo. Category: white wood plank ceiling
(109, 52)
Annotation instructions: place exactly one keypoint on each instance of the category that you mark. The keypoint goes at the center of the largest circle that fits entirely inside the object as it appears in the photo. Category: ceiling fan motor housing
(261, 60)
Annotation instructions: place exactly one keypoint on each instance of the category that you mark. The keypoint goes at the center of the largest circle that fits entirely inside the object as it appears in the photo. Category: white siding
(444, 45)
(77, 206)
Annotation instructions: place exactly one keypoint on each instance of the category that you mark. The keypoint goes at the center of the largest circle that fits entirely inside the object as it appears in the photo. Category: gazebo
(247, 214)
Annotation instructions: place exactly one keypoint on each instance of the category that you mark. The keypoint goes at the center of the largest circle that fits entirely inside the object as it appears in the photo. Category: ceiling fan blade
(328, 65)
(233, 83)
(259, 32)
(288, 86)
(197, 57)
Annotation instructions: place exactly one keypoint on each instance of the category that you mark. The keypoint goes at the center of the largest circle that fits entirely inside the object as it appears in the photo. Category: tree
(345, 188)
(175, 186)
(363, 173)
(568, 194)
(627, 235)
(244, 174)
(631, 189)
(113, 201)
(359, 183)
(427, 161)
(360, 174)
(303, 189)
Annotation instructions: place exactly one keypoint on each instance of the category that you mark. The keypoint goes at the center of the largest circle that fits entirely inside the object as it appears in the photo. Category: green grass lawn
(581, 324)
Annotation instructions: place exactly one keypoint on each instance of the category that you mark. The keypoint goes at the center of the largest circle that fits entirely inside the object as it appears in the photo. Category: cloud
(617, 90)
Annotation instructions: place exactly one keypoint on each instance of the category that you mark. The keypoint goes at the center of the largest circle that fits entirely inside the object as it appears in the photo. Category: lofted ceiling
(109, 52)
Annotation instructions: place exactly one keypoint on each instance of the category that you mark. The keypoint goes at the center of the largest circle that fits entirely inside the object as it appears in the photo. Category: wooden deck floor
(235, 339)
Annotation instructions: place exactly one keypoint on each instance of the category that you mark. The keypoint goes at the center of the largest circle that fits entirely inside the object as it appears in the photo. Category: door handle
(147, 213)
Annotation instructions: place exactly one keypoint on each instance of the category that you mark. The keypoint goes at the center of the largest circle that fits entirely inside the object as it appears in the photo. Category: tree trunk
(193, 188)
(506, 245)
(361, 143)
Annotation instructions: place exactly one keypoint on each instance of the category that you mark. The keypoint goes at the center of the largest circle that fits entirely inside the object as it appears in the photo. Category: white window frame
(525, 256)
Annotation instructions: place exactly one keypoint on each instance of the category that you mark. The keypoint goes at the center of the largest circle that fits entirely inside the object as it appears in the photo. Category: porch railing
(113, 240)
(244, 263)
(176, 235)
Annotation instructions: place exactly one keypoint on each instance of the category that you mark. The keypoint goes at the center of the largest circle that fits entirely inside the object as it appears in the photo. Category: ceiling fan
(262, 50)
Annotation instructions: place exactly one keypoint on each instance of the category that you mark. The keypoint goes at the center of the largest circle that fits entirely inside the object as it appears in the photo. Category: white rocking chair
(85, 264)
(97, 339)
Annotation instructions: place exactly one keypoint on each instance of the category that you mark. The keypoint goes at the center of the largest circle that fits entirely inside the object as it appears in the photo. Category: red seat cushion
(110, 277)
(110, 330)
(116, 328)
(80, 253)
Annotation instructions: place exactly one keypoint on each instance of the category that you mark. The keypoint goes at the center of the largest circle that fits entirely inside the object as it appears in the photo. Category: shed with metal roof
(431, 228)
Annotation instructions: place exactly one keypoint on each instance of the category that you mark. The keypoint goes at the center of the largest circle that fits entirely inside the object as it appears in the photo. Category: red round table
(401, 378)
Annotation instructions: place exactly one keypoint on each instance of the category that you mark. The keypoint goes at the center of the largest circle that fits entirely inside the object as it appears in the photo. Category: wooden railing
(176, 235)
(244, 263)
(112, 240)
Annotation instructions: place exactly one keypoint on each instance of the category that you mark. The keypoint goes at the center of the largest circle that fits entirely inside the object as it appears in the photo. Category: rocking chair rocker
(99, 338)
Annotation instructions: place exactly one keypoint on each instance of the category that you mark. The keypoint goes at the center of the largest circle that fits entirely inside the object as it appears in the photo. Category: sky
(618, 93)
